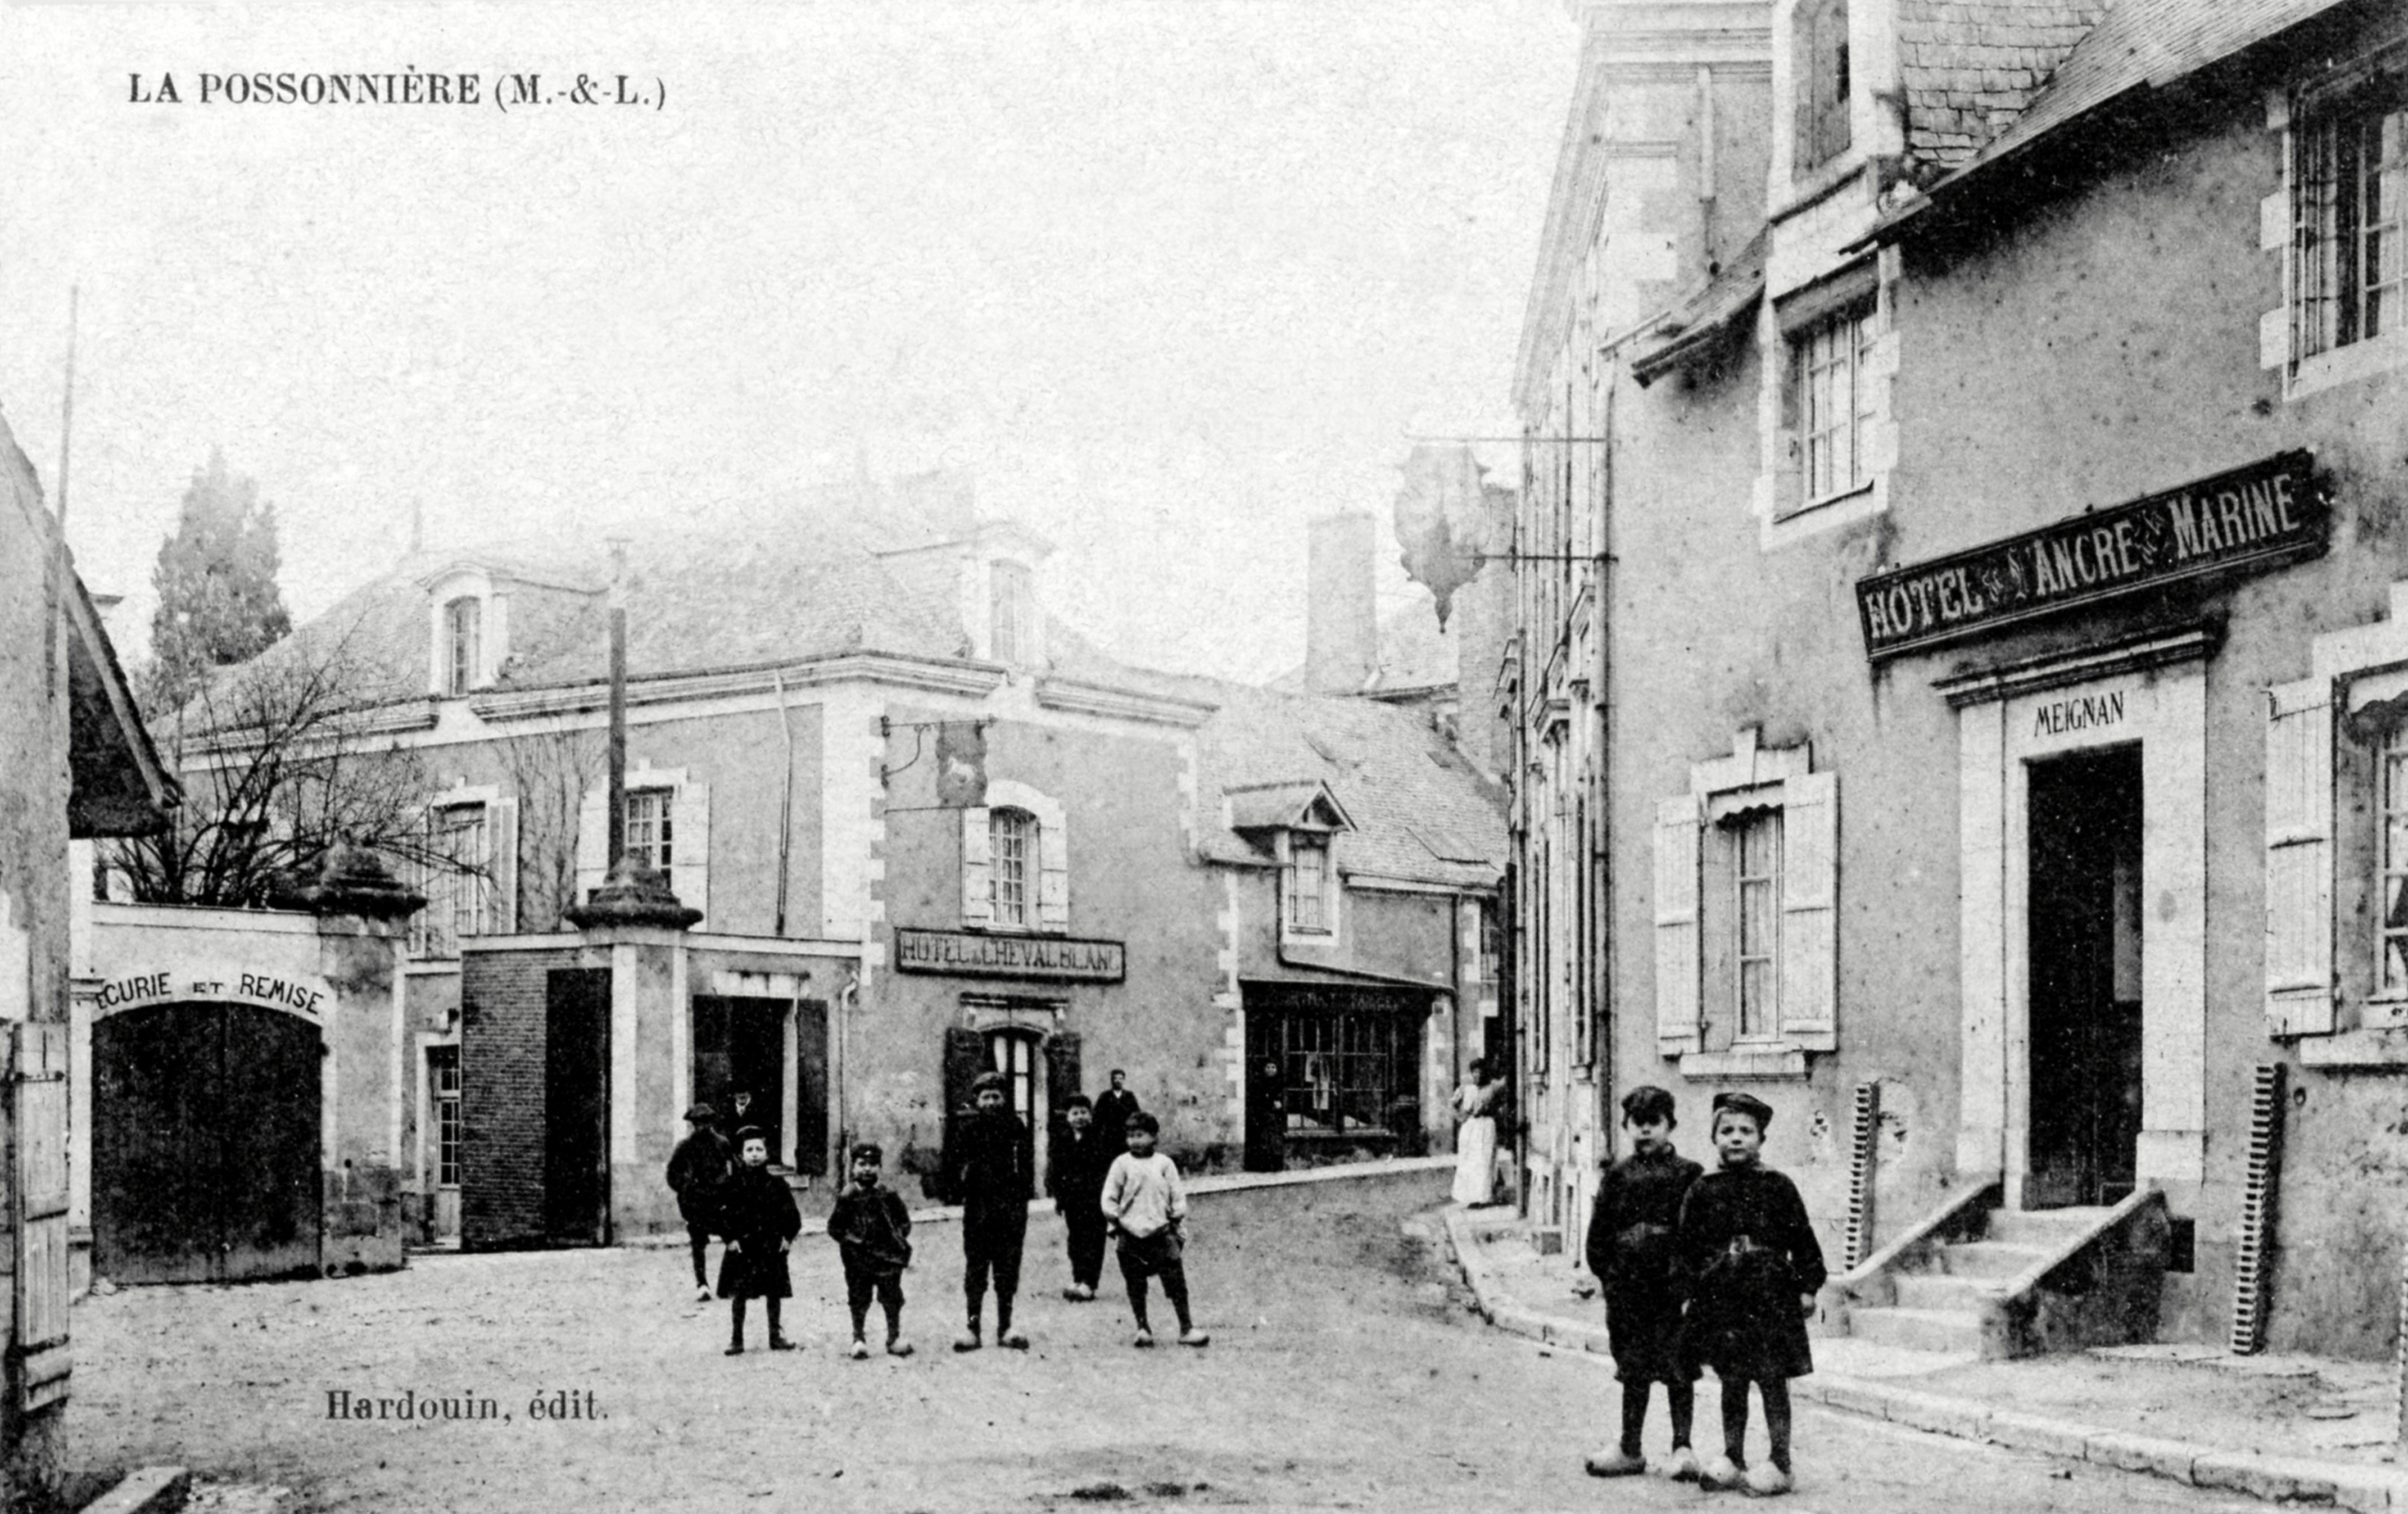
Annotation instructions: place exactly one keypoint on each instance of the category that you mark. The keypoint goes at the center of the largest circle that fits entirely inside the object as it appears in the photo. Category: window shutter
(1061, 1079)
(2299, 859)
(690, 865)
(502, 885)
(964, 1059)
(978, 866)
(1802, 87)
(1809, 916)
(593, 842)
(1053, 877)
(1677, 962)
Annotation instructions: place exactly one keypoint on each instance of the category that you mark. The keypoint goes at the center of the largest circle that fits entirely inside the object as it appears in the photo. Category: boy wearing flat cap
(698, 1169)
(1754, 1267)
(989, 1164)
(1633, 1232)
(757, 1214)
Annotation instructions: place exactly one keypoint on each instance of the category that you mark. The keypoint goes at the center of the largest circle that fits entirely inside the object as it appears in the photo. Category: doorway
(2084, 951)
(739, 1046)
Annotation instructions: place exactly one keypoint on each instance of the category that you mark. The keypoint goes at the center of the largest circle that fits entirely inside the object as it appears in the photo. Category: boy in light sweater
(1147, 1209)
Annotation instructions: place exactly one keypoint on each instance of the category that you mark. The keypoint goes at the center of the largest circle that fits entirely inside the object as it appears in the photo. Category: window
(461, 645)
(1012, 602)
(1307, 895)
(2350, 179)
(1755, 854)
(443, 1093)
(1348, 1075)
(651, 828)
(1012, 845)
(1819, 75)
(2392, 849)
(457, 875)
(1828, 369)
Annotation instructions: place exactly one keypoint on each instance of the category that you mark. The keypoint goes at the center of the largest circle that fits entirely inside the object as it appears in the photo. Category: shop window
(1348, 1075)
(1819, 81)
(1830, 366)
(463, 645)
(1760, 830)
(1015, 862)
(2350, 179)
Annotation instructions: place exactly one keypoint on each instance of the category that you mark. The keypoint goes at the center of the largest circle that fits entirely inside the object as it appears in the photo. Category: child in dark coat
(757, 1215)
(990, 1170)
(1754, 1267)
(873, 1235)
(1633, 1248)
(1075, 1175)
(698, 1169)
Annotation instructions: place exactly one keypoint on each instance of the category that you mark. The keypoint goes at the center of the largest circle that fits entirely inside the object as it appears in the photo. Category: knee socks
(1776, 1418)
(1174, 1288)
(1735, 1420)
(1681, 1398)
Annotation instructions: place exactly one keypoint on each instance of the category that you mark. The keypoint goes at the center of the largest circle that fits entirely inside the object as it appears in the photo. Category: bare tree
(278, 766)
(550, 772)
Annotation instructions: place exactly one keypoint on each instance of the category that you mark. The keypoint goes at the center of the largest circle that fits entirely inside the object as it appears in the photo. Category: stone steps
(1921, 1330)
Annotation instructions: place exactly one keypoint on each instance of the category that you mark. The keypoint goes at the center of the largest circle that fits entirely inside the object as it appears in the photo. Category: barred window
(2350, 179)
(1833, 400)
(1348, 1075)
(1013, 837)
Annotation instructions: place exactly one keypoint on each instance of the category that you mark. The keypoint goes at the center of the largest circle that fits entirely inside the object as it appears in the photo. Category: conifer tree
(219, 604)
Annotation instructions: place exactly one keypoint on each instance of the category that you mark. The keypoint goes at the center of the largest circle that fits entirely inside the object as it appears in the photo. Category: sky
(1167, 280)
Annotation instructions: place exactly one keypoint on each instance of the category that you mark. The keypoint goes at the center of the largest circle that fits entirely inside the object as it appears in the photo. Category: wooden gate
(205, 1144)
(577, 1106)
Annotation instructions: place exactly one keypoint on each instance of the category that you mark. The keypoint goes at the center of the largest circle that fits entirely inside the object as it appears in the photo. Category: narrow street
(1341, 1376)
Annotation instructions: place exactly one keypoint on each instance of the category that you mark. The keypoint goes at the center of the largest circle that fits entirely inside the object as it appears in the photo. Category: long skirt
(1475, 1161)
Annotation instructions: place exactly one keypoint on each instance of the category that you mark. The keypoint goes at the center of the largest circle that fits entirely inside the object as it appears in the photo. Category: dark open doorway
(739, 1046)
(2085, 955)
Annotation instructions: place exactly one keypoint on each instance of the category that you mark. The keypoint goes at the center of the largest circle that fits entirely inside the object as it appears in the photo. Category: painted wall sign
(968, 954)
(2078, 713)
(2261, 515)
(308, 997)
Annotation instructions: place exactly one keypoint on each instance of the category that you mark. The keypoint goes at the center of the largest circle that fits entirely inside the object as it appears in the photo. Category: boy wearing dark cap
(1633, 1232)
(1754, 1267)
(873, 1235)
(989, 1165)
(758, 1216)
(698, 1169)
(1075, 1173)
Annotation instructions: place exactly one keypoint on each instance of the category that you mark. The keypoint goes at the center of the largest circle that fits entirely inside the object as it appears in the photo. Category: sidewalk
(2275, 1427)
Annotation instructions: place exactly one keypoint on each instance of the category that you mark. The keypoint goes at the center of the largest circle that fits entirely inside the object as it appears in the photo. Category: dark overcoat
(756, 1212)
(698, 1169)
(1750, 1254)
(1634, 1251)
(872, 1231)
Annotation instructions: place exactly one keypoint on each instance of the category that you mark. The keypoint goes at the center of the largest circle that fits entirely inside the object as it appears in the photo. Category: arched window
(462, 631)
(1012, 848)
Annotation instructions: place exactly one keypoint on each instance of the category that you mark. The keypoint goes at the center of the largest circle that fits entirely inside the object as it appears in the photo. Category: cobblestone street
(1348, 1377)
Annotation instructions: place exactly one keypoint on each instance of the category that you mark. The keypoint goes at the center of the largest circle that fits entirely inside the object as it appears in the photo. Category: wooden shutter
(1062, 1073)
(2299, 859)
(1810, 916)
(593, 842)
(1053, 878)
(502, 858)
(39, 1081)
(978, 866)
(690, 864)
(964, 1059)
(1677, 962)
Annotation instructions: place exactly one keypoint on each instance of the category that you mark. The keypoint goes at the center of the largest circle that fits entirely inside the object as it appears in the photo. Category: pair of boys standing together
(1139, 1197)
(1704, 1270)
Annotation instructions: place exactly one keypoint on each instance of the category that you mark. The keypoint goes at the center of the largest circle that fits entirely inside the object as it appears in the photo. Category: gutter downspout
(787, 803)
(1602, 1013)
(1518, 905)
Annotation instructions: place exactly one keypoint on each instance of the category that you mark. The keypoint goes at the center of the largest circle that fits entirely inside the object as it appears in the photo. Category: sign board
(969, 954)
(306, 995)
(2258, 516)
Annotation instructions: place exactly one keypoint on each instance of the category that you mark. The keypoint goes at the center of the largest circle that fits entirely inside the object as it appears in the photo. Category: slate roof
(1971, 67)
(1413, 653)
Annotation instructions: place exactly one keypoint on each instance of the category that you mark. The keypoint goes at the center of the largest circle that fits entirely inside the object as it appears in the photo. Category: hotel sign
(968, 954)
(2258, 516)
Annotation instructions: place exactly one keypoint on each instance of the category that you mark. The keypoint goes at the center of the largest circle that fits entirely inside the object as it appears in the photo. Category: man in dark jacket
(698, 1170)
(1075, 1173)
(1113, 1108)
(989, 1169)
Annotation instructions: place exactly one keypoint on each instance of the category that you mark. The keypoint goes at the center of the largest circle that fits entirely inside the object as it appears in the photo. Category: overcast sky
(1170, 279)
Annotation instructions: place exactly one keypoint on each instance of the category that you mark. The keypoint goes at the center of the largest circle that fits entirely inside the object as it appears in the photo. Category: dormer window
(1011, 602)
(1818, 64)
(1309, 911)
(463, 645)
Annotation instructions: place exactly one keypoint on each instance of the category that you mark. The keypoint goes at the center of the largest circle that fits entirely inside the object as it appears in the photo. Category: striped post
(1864, 1134)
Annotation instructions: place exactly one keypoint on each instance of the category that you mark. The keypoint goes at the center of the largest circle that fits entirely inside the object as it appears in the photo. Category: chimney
(1342, 631)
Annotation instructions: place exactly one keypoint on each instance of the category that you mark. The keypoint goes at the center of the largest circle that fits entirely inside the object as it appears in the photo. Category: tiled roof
(2141, 44)
(1971, 67)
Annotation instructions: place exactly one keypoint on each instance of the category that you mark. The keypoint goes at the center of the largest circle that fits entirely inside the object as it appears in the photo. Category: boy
(990, 1172)
(1147, 1209)
(1076, 1175)
(758, 1216)
(873, 1235)
(1631, 1249)
(1755, 1268)
(698, 1169)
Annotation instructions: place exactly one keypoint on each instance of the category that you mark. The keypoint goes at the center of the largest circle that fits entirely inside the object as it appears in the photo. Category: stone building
(75, 764)
(924, 829)
(2023, 832)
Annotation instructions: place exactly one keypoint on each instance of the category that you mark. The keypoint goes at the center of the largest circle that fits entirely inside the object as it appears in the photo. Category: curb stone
(150, 1489)
(2367, 1489)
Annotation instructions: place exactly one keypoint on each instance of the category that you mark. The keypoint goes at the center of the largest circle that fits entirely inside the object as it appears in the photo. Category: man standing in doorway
(1114, 1108)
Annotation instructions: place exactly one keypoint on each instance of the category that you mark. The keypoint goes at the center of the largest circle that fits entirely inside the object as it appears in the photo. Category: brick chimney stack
(1341, 632)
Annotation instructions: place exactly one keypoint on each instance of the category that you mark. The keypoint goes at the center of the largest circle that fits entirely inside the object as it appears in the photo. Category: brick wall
(502, 1019)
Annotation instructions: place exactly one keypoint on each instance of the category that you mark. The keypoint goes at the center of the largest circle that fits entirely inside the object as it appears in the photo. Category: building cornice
(935, 677)
(1077, 697)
